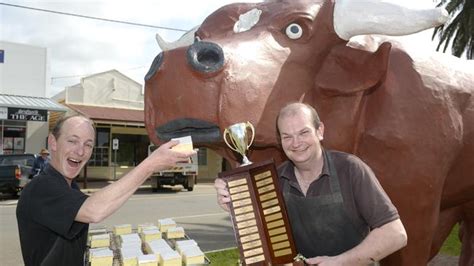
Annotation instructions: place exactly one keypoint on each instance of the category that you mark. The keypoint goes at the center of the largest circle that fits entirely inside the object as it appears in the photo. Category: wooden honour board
(258, 214)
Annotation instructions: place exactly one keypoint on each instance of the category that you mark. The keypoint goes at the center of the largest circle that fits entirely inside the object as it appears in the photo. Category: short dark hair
(293, 108)
(56, 132)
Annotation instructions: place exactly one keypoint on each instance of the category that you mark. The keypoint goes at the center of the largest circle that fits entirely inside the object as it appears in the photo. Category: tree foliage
(459, 30)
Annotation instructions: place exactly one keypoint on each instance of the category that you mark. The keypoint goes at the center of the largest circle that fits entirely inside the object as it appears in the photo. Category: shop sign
(115, 144)
(27, 114)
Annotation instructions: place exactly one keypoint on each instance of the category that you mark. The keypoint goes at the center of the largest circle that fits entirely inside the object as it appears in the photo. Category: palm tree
(461, 27)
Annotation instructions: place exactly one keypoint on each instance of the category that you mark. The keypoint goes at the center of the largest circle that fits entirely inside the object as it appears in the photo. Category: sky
(79, 47)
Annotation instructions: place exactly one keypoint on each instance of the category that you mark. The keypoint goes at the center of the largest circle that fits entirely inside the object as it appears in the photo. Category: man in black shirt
(54, 215)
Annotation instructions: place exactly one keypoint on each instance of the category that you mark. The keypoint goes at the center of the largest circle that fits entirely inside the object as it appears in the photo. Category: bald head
(56, 132)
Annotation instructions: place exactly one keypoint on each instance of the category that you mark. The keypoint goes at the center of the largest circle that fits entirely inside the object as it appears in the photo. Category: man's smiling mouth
(74, 162)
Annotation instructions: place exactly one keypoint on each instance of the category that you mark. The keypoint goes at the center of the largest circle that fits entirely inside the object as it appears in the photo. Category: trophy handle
(253, 133)
(226, 132)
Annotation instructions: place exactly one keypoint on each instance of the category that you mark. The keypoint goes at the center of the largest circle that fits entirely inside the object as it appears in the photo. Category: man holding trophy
(338, 211)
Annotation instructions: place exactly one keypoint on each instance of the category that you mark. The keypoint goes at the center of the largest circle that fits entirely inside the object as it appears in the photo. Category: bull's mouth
(201, 131)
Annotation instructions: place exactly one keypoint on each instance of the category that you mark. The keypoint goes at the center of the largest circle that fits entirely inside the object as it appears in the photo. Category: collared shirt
(365, 201)
(46, 210)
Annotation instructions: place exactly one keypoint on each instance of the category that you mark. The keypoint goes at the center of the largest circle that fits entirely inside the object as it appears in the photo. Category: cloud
(79, 47)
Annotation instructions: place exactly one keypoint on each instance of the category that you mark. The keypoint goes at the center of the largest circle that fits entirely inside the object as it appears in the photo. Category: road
(196, 211)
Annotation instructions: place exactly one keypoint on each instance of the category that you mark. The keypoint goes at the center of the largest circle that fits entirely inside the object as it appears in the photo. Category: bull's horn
(360, 17)
(185, 40)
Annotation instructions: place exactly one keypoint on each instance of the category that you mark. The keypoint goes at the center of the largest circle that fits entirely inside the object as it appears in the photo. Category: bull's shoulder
(448, 78)
(432, 66)
(446, 69)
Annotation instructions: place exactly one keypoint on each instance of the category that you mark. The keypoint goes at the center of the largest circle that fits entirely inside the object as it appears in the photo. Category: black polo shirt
(45, 213)
(365, 201)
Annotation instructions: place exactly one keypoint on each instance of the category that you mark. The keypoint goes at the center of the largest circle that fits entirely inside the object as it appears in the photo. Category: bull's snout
(205, 57)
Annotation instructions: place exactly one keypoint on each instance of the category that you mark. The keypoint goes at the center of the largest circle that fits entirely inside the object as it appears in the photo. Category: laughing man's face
(73, 148)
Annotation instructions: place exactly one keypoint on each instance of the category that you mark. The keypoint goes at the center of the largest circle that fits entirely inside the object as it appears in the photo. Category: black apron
(320, 224)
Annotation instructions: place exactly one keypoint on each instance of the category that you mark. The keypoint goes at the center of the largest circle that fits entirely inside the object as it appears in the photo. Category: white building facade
(24, 108)
(115, 103)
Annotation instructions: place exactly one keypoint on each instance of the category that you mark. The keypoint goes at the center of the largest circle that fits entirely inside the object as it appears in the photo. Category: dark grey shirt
(365, 201)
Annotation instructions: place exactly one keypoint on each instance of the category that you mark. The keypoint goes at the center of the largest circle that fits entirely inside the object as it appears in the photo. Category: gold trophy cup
(257, 208)
(240, 137)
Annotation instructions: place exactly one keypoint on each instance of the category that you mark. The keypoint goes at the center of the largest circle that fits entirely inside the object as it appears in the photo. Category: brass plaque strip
(266, 189)
(268, 196)
(264, 182)
(277, 231)
(272, 210)
(254, 259)
(240, 196)
(275, 224)
(243, 210)
(237, 182)
(272, 217)
(253, 244)
(240, 203)
(279, 238)
(253, 252)
(282, 252)
(262, 175)
(246, 224)
(248, 230)
(269, 203)
(238, 189)
(281, 245)
(244, 217)
(249, 238)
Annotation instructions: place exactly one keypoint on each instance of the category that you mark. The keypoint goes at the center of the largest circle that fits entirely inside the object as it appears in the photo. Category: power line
(96, 18)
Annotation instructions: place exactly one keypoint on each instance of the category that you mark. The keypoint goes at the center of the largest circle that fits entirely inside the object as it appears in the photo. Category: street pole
(115, 147)
(115, 164)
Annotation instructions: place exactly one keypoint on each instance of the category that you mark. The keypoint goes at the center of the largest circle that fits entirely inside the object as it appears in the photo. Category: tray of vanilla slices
(148, 244)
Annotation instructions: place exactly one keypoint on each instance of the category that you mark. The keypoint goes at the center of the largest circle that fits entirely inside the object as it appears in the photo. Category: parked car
(15, 172)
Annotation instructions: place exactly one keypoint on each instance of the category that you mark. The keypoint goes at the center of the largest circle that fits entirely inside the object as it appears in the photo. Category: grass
(224, 257)
(451, 246)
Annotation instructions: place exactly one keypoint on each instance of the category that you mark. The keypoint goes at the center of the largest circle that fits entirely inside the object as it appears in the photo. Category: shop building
(24, 108)
(116, 103)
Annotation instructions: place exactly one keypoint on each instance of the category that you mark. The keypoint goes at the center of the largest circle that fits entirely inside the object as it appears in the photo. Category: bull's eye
(294, 31)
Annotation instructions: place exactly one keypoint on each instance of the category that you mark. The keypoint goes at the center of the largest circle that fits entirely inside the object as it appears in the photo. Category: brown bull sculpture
(411, 120)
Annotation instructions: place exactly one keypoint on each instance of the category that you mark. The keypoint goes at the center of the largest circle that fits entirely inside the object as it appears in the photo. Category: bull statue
(410, 118)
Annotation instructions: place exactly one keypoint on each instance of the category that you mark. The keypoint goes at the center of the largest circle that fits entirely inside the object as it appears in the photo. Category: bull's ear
(347, 70)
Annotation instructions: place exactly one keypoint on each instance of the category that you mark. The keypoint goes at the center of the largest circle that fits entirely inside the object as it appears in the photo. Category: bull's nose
(205, 57)
(154, 66)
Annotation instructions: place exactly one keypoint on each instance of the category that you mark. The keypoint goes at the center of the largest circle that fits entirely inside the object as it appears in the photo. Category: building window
(100, 154)
(202, 156)
(13, 136)
(133, 149)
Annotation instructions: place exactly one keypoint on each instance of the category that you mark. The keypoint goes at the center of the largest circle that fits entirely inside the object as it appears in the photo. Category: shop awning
(40, 103)
(109, 114)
